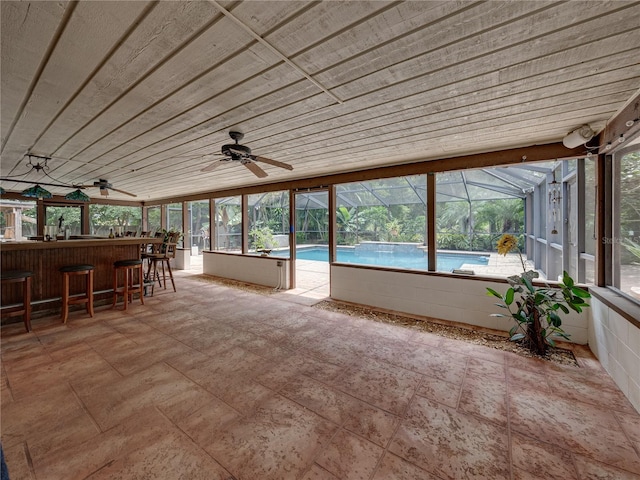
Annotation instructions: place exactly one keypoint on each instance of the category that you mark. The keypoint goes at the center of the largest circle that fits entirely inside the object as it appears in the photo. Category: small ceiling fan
(105, 186)
(241, 153)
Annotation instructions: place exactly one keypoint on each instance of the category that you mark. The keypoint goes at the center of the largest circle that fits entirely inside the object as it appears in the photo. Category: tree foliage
(629, 168)
(476, 226)
(104, 217)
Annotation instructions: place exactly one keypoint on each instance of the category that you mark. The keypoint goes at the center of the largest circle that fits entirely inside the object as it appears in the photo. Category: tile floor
(216, 383)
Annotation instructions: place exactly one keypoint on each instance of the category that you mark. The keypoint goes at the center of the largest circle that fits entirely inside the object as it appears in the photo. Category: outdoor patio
(218, 383)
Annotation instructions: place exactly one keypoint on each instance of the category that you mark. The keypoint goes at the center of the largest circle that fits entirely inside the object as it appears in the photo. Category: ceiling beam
(535, 153)
(624, 125)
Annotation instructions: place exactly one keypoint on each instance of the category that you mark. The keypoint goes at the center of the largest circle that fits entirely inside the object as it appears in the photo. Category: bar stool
(69, 271)
(128, 289)
(165, 252)
(24, 277)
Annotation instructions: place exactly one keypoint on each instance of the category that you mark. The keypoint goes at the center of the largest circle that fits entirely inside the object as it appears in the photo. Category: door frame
(292, 227)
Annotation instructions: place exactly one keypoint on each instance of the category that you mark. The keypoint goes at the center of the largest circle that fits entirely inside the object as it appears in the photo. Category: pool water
(417, 261)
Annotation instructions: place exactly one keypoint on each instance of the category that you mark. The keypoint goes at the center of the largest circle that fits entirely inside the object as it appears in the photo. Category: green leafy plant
(536, 310)
(262, 238)
(172, 231)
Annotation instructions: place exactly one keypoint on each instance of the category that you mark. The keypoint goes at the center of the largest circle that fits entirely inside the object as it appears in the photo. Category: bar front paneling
(44, 259)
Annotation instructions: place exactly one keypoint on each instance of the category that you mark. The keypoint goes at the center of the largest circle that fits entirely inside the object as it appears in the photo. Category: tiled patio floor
(215, 383)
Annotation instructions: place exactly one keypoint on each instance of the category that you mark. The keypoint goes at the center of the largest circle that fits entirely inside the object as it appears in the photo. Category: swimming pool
(387, 258)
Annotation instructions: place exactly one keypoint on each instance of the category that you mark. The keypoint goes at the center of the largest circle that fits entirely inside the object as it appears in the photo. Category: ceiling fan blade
(211, 166)
(272, 162)
(257, 171)
(121, 191)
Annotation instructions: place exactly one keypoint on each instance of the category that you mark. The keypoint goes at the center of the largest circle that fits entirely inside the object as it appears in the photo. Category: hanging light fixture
(78, 195)
(2, 191)
(36, 192)
(39, 164)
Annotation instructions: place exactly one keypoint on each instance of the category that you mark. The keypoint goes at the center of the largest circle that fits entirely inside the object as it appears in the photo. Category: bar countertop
(74, 243)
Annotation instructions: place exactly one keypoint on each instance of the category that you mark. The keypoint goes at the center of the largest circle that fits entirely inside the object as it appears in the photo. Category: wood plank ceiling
(143, 93)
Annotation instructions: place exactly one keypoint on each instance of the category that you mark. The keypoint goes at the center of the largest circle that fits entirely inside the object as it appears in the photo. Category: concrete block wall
(248, 268)
(455, 299)
(616, 343)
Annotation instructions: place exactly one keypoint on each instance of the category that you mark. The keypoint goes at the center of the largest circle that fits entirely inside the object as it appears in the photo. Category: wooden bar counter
(44, 259)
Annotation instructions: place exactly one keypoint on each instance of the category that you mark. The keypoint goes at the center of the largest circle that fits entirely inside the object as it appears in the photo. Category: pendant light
(77, 195)
(36, 192)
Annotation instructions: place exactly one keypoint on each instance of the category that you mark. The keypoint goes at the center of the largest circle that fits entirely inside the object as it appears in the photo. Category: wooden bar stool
(24, 277)
(69, 271)
(129, 288)
(166, 251)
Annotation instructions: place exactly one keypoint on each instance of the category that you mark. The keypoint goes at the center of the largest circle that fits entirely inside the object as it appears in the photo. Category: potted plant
(536, 310)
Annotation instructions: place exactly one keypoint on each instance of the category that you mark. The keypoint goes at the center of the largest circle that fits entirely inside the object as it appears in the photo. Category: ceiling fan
(105, 186)
(241, 153)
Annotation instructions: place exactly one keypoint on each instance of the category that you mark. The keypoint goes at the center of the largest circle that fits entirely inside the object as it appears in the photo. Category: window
(174, 219)
(174, 216)
(383, 222)
(312, 218)
(106, 218)
(228, 236)
(626, 223)
(200, 226)
(474, 208)
(553, 207)
(154, 219)
(65, 216)
(17, 220)
(589, 221)
(268, 217)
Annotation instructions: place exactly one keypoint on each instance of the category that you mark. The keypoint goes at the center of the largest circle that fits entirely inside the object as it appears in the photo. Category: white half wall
(267, 271)
(616, 343)
(455, 299)
(182, 260)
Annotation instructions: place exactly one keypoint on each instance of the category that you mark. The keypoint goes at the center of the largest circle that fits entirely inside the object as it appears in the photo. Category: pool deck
(499, 265)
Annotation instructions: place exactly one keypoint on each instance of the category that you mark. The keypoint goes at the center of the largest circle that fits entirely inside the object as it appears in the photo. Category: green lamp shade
(78, 195)
(36, 192)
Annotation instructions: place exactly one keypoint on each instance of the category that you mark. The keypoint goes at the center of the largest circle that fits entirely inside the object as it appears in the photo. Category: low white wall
(616, 343)
(248, 268)
(454, 299)
(182, 260)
